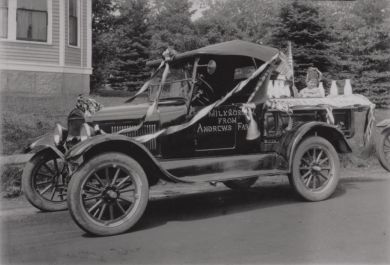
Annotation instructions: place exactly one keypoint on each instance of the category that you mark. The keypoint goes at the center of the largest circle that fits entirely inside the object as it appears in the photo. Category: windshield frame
(189, 77)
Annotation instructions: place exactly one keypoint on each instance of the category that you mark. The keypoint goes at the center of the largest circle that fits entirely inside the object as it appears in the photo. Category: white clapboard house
(45, 46)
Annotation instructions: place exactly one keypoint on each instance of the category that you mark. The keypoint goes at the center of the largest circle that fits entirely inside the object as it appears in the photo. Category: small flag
(290, 73)
(286, 67)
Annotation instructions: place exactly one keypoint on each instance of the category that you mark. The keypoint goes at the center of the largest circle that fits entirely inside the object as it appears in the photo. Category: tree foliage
(374, 70)
(362, 46)
(172, 27)
(300, 23)
(131, 43)
(343, 39)
(102, 25)
(217, 29)
(246, 19)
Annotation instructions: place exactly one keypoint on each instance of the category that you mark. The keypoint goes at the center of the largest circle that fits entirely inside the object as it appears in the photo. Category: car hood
(121, 112)
(168, 112)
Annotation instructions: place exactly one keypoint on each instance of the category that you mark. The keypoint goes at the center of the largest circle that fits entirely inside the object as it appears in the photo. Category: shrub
(11, 181)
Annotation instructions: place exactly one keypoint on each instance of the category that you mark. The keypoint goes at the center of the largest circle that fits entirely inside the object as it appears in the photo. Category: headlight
(97, 129)
(60, 133)
(86, 132)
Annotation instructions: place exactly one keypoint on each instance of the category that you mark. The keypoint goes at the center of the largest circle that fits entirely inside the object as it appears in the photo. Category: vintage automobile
(208, 119)
(383, 144)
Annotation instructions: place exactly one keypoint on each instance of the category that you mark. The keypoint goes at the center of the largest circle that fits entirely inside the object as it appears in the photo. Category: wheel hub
(111, 195)
(316, 168)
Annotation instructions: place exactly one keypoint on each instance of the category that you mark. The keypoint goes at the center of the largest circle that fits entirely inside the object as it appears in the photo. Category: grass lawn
(25, 118)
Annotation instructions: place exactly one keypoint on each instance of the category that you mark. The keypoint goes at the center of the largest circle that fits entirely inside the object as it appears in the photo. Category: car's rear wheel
(44, 181)
(383, 149)
(241, 184)
(108, 195)
(315, 169)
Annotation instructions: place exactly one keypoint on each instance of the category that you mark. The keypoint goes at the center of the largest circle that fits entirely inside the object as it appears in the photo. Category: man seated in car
(312, 89)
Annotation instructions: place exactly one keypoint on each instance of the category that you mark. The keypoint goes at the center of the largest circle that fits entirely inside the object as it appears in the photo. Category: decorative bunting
(204, 111)
(288, 105)
(88, 105)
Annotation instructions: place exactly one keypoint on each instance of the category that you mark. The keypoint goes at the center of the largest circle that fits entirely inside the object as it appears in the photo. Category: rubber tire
(242, 184)
(27, 187)
(74, 194)
(379, 149)
(295, 179)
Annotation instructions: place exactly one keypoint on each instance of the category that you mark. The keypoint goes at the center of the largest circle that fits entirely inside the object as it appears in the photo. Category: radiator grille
(145, 129)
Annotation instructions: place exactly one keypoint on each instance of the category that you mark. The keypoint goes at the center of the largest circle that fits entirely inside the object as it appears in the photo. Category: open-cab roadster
(208, 120)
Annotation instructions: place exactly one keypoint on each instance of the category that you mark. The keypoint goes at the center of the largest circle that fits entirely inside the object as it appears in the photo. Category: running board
(225, 167)
(171, 164)
(232, 175)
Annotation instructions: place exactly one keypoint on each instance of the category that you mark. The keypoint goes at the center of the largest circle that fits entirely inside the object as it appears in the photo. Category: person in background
(312, 89)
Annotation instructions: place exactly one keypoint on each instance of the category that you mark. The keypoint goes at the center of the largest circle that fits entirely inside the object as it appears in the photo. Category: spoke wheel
(44, 182)
(108, 194)
(315, 169)
(383, 149)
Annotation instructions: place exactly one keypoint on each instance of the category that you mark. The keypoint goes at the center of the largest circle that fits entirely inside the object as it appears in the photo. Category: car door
(218, 130)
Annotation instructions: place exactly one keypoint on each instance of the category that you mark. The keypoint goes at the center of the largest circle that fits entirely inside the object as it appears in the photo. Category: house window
(3, 18)
(32, 20)
(73, 22)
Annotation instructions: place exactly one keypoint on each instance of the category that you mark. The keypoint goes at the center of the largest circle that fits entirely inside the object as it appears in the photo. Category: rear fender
(385, 130)
(85, 150)
(290, 141)
(384, 123)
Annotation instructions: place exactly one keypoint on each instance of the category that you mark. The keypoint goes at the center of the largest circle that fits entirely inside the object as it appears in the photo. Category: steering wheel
(203, 92)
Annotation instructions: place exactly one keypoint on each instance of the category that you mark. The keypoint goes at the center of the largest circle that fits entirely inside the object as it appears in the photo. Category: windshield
(176, 85)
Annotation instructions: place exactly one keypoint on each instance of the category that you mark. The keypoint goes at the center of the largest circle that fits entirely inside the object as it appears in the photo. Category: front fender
(290, 141)
(83, 147)
(44, 142)
(85, 150)
(385, 123)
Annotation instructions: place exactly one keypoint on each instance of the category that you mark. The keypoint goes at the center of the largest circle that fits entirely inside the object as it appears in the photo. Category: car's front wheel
(315, 169)
(108, 195)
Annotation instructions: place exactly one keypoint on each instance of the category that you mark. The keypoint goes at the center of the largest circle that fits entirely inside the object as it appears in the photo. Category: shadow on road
(213, 204)
(218, 203)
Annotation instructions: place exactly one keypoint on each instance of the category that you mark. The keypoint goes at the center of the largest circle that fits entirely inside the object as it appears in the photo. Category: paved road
(267, 224)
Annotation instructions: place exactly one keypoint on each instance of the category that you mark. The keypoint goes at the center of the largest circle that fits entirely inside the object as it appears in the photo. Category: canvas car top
(233, 48)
